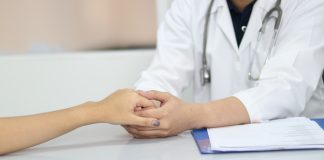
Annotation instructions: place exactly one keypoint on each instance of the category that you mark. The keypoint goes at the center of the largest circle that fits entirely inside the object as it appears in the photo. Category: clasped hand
(174, 116)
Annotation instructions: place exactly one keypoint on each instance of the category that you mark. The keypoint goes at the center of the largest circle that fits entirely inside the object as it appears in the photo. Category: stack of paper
(291, 133)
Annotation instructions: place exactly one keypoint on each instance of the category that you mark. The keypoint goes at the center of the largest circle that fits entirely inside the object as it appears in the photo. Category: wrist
(197, 115)
(85, 113)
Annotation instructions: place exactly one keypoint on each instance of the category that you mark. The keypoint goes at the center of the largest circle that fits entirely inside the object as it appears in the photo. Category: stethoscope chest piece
(205, 75)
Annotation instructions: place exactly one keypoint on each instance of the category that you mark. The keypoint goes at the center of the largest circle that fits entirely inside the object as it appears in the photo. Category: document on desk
(284, 134)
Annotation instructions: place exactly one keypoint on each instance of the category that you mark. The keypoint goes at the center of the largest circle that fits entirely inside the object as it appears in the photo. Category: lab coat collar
(222, 3)
(260, 9)
(254, 25)
(224, 20)
(217, 5)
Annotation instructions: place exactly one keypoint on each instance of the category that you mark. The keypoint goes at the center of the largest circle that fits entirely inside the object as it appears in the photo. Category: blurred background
(50, 26)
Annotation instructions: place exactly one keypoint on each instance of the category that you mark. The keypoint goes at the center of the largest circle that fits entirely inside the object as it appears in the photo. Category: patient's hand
(174, 116)
(121, 108)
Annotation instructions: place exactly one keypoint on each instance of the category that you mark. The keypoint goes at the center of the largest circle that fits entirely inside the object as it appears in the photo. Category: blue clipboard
(203, 143)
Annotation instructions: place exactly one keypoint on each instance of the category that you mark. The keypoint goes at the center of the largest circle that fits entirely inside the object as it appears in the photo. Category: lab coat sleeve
(291, 76)
(172, 67)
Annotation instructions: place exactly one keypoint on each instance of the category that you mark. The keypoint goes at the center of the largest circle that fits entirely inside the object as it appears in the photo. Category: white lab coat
(290, 83)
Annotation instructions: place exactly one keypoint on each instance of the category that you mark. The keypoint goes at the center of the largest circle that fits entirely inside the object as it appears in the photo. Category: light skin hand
(177, 116)
(174, 116)
(119, 108)
(157, 104)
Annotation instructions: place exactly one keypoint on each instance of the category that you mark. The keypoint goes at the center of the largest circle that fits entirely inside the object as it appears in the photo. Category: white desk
(40, 83)
(102, 142)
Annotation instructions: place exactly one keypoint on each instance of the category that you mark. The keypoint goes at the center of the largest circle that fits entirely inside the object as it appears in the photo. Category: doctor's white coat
(290, 83)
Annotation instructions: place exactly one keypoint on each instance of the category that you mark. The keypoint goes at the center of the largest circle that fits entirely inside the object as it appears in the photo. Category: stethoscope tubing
(206, 75)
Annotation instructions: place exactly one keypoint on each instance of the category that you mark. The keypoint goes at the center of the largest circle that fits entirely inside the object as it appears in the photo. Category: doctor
(251, 80)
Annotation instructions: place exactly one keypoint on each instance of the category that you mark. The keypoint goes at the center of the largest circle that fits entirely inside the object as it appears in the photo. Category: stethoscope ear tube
(205, 71)
(270, 15)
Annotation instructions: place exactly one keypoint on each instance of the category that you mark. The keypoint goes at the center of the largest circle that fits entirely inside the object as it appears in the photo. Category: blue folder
(203, 143)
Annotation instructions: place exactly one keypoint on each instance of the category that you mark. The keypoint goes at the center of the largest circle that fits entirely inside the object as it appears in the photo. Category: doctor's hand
(175, 116)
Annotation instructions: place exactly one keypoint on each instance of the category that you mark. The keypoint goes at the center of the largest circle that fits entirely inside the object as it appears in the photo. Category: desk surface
(104, 142)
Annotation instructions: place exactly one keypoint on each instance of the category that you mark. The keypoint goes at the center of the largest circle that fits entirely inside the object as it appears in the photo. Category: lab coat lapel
(255, 23)
(224, 21)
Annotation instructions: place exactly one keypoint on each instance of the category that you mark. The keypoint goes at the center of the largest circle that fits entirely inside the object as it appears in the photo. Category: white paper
(291, 133)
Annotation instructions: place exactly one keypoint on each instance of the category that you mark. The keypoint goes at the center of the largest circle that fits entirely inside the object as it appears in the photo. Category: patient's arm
(21, 132)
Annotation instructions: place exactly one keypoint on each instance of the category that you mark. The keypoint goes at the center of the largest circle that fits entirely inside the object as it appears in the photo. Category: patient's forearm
(119, 108)
(21, 132)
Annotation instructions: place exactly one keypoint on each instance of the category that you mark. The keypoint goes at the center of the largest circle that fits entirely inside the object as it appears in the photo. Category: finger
(141, 128)
(149, 133)
(144, 121)
(144, 137)
(164, 125)
(144, 103)
(156, 95)
(132, 130)
(137, 109)
(157, 104)
(127, 128)
(157, 113)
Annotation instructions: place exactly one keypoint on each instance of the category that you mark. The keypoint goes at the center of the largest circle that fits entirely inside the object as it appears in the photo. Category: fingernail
(156, 123)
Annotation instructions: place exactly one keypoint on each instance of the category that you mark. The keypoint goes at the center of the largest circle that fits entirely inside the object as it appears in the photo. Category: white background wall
(38, 83)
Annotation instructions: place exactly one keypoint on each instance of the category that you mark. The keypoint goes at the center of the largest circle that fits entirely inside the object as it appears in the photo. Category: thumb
(156, 95)
(145, 122)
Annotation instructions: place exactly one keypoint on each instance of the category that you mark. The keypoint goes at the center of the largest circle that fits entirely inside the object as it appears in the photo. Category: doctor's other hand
(120, 107)
(174, 115)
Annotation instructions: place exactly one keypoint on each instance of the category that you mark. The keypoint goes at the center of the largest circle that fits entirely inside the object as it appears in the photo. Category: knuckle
(147, 123)
(133, 131)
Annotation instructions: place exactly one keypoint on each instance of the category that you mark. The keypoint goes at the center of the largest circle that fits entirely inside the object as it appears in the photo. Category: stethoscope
(205, 70)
